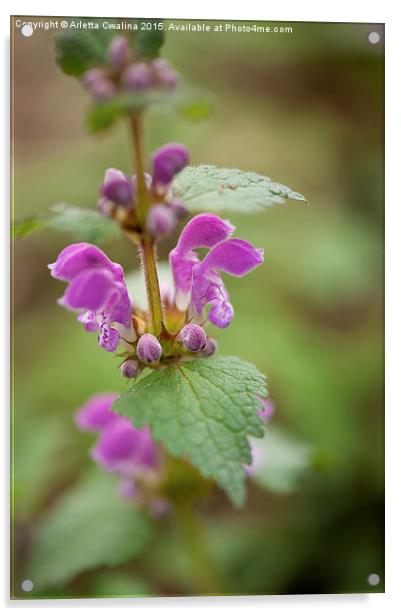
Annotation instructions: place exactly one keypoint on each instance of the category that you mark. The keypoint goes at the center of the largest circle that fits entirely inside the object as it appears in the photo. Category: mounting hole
(374, 38)
(27, 30)
(373, 579)
(27, 585)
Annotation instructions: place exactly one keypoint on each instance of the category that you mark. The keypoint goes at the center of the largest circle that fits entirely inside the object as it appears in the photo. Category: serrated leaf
(204, 409)
(79, 50)
(215, 189)
(90, 526)
(83, 224)
(281, 461)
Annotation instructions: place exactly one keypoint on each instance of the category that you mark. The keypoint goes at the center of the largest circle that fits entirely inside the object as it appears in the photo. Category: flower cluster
(124, 73)
(98, 292)
(121, 448)
(118, 192)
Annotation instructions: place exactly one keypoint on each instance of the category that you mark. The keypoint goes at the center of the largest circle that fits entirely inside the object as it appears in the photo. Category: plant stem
(204, 567)
(142, 191)
(152, 283)
(148, 252)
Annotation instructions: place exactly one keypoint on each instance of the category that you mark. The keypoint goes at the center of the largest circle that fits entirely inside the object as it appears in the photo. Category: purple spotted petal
(108, 337)
(96, 414)
(168, 161)
(221, 314)
(117, 187)
(78, 257)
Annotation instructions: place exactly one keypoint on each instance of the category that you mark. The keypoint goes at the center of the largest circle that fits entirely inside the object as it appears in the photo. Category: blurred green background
(307, 110)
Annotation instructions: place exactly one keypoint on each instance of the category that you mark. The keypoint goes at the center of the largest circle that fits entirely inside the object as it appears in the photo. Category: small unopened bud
(117, 187)
(118, 52)
(161, 220)
(98, 85)
(129, 369)
(149, 349)
(138, 76)
(169, 160)
(210, 348)
(193, 337)
(179, 208)
(166, 76)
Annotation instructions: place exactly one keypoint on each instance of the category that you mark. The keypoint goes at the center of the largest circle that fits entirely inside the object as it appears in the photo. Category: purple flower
(193, 337)
(199, 282)
(202, 231)
(168, 160)
(118, 52)
(161, 220)
(117, 187)
(96, 290)
(149, 349)
(96, 414)
(232, 256)
(124, 449)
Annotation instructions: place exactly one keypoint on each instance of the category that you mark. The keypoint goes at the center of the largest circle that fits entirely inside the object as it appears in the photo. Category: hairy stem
(148, 251)
(148, 255)
(142, 191)
(204, 567)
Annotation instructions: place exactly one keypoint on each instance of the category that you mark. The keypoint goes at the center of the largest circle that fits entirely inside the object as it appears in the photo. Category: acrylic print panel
(198, 373)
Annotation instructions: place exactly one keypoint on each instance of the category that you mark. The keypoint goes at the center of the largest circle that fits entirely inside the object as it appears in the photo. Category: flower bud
(210, 348)
(179, 209)
(98, 85)
(161, 220)
(148, 349)
(138, 76)
(168, 161)
(193, 337)
(166, 76)
(129, 369)
(105, 207)
(118, 52)
(117, 187)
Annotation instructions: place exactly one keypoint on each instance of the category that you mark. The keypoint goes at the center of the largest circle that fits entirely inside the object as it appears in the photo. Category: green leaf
(282, 461)
(210, 188)
(149, 42)
(204, 409)
(190, 102)
(83, 224)
(79, 50)
(87, 225)
(91, 526)
(28, 225)
(119, 584)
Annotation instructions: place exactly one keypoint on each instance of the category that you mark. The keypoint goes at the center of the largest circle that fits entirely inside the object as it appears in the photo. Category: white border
(340, 11)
